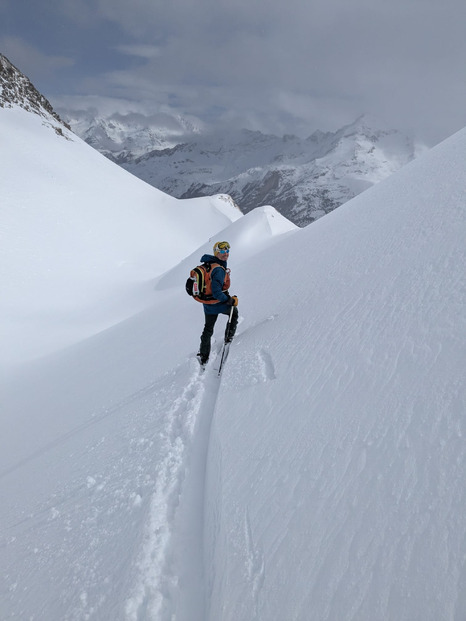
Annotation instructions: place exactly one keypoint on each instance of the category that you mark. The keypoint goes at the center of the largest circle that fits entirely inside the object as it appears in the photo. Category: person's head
(222, 250)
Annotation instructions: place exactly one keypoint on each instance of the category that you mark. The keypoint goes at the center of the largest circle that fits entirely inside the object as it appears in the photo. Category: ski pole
(229, 322)
(225, 340)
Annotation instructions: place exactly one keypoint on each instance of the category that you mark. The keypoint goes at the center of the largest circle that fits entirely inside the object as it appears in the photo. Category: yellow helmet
(221, 247)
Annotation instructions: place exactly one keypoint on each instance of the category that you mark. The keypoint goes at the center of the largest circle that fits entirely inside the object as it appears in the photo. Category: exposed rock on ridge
(17, 89)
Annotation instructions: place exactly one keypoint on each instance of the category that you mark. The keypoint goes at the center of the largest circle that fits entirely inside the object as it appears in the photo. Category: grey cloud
(290, 66)
(30, 60)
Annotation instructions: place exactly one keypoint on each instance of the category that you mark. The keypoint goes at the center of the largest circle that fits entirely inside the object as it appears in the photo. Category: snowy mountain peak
(127, 135)
(302, 178)
(366, 129)
(17, 90)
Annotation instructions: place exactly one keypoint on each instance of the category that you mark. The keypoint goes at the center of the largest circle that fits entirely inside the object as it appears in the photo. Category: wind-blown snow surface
(321, 478)
(336, 466)
(81, 239)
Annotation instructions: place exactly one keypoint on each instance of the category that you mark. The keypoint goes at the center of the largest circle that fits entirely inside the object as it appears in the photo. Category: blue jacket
(217, 277)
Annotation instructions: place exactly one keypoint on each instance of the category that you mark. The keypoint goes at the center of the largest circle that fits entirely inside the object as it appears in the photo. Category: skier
(222, 300)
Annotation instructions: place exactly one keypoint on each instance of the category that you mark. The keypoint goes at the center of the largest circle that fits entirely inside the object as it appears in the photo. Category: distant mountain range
(122, 137)
(302, 178)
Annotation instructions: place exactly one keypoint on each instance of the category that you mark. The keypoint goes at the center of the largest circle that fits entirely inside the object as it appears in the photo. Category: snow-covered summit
(129, 134)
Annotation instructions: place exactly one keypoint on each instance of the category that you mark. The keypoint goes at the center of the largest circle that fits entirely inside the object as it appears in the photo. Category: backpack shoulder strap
(213, 266)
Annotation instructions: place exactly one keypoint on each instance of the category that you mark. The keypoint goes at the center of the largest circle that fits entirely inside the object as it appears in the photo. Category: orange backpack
(199, 283)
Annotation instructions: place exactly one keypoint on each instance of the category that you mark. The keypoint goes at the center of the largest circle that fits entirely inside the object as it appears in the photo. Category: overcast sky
(281, 66)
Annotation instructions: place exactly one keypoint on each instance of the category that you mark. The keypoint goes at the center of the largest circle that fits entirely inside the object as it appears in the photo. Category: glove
(232, 300)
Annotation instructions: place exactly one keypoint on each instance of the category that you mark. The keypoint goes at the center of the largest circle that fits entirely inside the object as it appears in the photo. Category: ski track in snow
(177, 505)
(161, 476)
(159, 485)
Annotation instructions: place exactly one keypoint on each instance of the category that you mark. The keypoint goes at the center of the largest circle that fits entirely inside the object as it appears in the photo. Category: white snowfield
(81, 239)
(320, 478)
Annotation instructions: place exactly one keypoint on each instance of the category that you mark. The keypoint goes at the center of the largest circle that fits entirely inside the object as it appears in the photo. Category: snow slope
(321, 478)
(336, 460)
(80, 238)
(96, 452)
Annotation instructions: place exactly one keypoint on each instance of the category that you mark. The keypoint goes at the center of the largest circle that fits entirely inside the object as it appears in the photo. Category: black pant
(209, 325)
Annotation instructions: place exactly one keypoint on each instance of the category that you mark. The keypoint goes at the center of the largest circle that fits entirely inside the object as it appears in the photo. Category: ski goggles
(222, 247)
